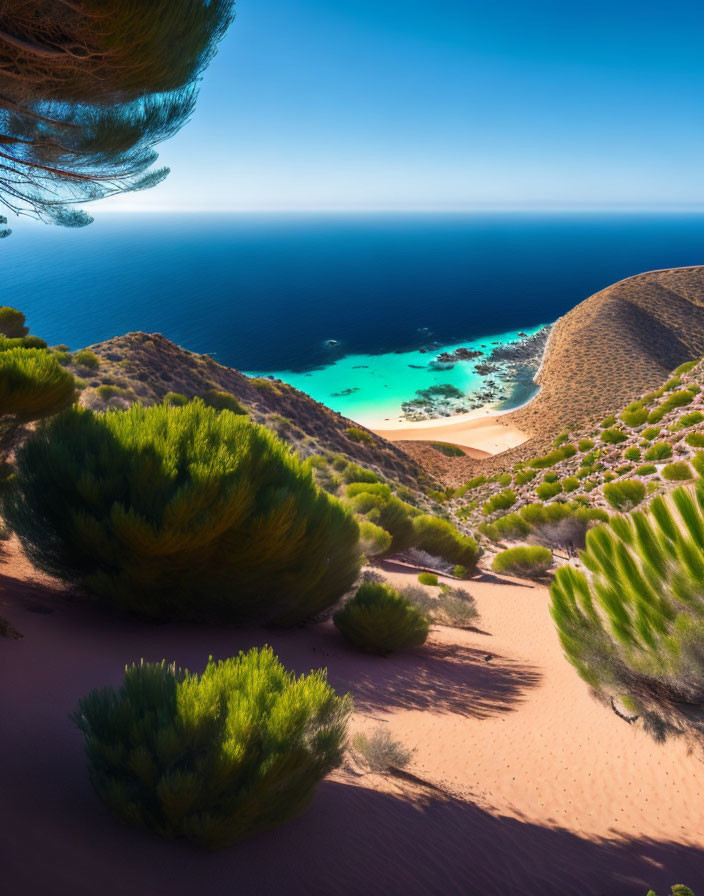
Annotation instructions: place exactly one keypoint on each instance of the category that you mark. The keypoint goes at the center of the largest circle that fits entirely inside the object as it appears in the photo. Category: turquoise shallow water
(372, 388)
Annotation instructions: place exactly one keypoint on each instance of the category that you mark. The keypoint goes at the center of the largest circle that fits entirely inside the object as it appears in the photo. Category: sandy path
(545, 791)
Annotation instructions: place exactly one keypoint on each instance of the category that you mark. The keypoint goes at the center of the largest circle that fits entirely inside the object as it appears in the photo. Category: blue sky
(382, 104)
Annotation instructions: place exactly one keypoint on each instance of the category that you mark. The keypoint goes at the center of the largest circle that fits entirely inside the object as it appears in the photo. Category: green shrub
(441, 539)
(570, 483)
(609, 421)
(390, 513)
(526, 561)
(459, 571)
(502, 479)
(632, 453)
(223, 401)
(428, 578)
(12, 323)
(547, 490)
(633, 628)
(658, 451)
(674, 400)
(374, 541)
(511, 526)
(691, 419)
(181, 512)
(217, 757)
(86, 358)
(698, 462)
(624, 494)
(634, 416)
(551, 477)
(63, 358)
(685, 368)
(613, 436)
(354, 473)
(585, 444)
(695, 439)
(107, 391)
(175, 398)
(448, 449)
(523, 477)
(355, 434)
(652, 432)
(32, 385)
(469, 486)
(646, 470)
(625, 468)
(380, 619)
(554, 457)
(368, 488)
(560, 440)
(609, 476)
(677, 471)
(500, 501)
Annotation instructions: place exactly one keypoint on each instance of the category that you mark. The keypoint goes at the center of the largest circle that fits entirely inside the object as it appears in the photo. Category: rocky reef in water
(509, 371)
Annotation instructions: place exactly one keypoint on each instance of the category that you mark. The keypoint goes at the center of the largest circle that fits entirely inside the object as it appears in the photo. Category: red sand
(533, 788)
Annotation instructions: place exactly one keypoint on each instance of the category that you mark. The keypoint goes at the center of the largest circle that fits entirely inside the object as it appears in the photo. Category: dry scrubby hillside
(607, 351)
(147, 367)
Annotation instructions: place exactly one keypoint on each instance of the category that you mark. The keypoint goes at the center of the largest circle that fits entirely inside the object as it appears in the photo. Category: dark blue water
(266, 293)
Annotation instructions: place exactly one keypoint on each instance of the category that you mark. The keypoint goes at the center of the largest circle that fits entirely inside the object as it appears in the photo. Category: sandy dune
(481, 434)
(532, 788)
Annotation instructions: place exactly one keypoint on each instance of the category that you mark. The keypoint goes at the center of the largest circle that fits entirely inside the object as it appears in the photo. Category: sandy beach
(519, 783)
(480, 433)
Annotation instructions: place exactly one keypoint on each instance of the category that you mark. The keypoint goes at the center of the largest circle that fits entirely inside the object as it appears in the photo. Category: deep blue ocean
(261, 292)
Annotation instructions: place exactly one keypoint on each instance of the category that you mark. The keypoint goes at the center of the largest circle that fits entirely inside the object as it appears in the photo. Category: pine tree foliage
(216, 757)
(88, 88)
(181, 512)
(634, 626)
(382, 620)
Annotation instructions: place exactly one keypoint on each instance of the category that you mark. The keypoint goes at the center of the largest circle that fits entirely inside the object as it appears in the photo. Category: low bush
(634, 416)
(511, 526)
(448, 449)
(547, 490)
(223, 401)
(472, 484)
(632, 453)
(380, 752)
(389, 512)
(181, 512)
(685, 368)
(453, 607)
(500, 501)
(12, 323)
(691, 419)
(108, 390)
(441, 539)
(625, 494)
(459, 571)
(570, 483)
(551, 477)
(217, 757)
(652, 432)
(613, 436)
(355, 434)
(646, 470)
(526, 561)
(554, 457)
(585, 444)
(609, 421)
(658, 451)
(674, 400)
(428, 578)
(86, 358)
(368, 488)
(677, 471)
(380, 619)
(523, 477)
(698, 462)
(175, 398)
(33, 385)
(502, 479)
(695, 439)
(373, 540)
(352, 472)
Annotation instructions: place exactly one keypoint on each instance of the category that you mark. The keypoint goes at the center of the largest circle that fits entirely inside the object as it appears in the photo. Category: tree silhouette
(88, 88)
